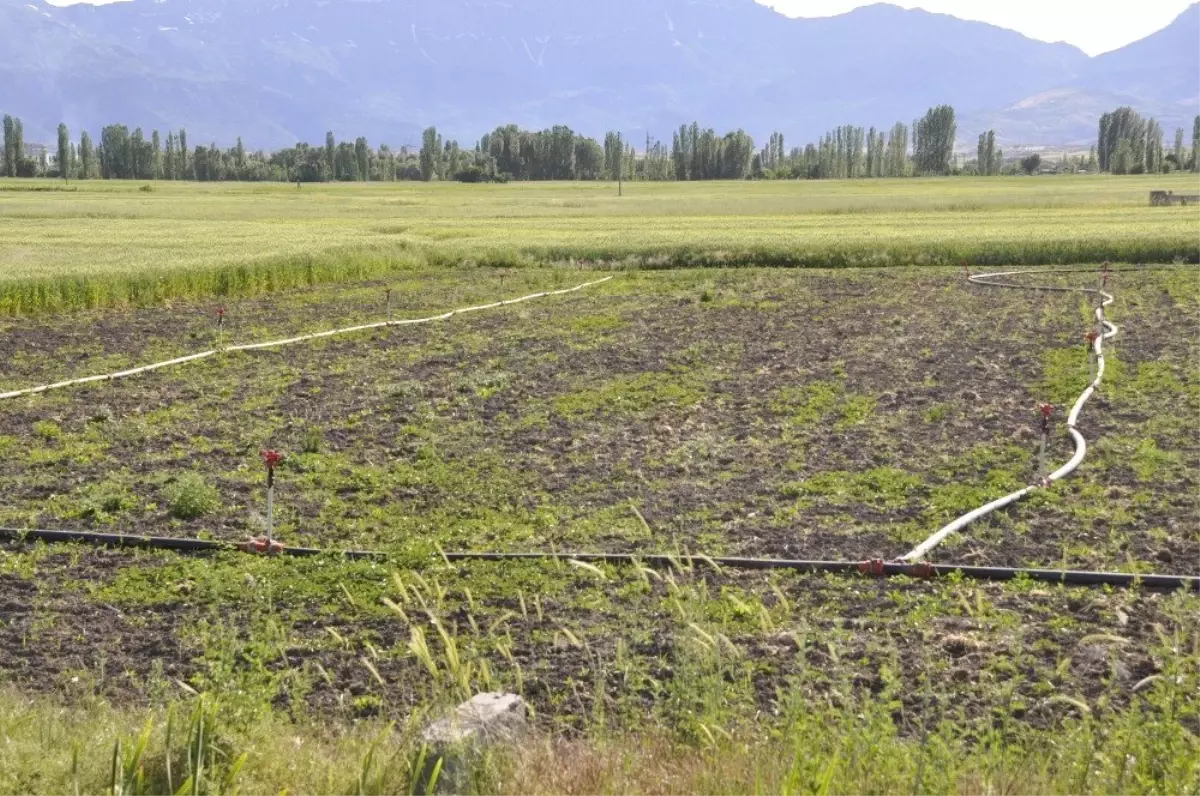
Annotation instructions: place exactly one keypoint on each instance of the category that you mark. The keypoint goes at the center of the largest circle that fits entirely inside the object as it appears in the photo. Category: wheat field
(103, 243)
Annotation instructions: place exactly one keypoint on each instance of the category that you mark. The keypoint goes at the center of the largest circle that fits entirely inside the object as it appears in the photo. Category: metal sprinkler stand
(1046, 410)
(271, 458)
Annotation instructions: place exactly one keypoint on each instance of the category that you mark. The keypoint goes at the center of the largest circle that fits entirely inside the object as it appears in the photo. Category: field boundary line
(1110, 330)
(120, 374)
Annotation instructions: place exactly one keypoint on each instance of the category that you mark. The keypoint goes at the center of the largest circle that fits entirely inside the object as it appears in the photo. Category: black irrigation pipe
(169, 543)
(876, 568)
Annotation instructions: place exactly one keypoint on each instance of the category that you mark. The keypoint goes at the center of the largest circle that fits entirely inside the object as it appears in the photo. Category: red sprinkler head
(1046, 410)
(271, 458)
(1091, 337)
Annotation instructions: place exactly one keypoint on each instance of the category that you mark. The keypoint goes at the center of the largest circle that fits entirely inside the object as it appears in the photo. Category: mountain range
(278, 71)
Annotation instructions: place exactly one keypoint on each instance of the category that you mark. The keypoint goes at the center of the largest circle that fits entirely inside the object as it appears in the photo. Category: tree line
(506, 153)
(1130, 144)
(846, 152)
(1127, 144)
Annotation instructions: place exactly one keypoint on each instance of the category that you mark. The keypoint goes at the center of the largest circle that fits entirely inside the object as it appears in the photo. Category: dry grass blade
(1069, 700)
(592, 568)
(1103, 638)
(374, 672)
(396, 608)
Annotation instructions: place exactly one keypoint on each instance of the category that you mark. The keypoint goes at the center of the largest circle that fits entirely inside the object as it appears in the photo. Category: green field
(102, 243)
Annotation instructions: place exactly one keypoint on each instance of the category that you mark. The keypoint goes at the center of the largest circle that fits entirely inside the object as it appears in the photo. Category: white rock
(485, 718)
(458, 740)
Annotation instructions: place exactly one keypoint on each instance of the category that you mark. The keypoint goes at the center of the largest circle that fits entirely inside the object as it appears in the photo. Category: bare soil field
(787, 414)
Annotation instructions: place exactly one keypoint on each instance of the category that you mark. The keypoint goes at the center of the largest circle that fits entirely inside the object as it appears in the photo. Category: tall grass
(154, 287)
(85, 290)
(191, 746)
(825, 734)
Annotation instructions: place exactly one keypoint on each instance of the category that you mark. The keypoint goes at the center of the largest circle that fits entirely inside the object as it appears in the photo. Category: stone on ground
(459, 739)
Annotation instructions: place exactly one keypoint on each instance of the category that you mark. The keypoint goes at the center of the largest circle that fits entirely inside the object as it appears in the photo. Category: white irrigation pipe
(1110, 331)
(291, 340)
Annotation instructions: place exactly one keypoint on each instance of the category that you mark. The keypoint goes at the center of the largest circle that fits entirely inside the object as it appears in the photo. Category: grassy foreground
(204, 745)
(95, 243)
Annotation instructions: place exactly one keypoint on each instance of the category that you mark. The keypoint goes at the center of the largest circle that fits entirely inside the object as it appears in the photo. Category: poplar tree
(156, 165)
(330, 155)
(985, 154)
(64, 152)
(613, 152)
(431, 152)
(14, 146)
(681, 153)
(85, 156)
(697, 168)
(934, 142)
(1152, 151)
(897, 163)
(1196, 144)
(18, 146)
(1122, 159)
(361, 156)
(1122, 125)
(183, 156)
(169, 158)
(9, 164)
(135, 163)
(345, 164)
(216, 163)
(239, 157)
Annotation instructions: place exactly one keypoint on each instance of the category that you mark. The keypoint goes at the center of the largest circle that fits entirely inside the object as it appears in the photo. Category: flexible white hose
(290, 340)
(106, 376)
(1110, 331)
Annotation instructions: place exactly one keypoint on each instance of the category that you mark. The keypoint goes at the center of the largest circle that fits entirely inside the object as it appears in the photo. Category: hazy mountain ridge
(277, 71)
(1159, 76)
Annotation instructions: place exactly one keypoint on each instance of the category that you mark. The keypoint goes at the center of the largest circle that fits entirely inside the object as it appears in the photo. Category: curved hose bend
(1109, 331)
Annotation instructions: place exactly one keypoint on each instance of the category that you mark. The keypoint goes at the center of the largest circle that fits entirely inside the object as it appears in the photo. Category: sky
(1084, 23)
